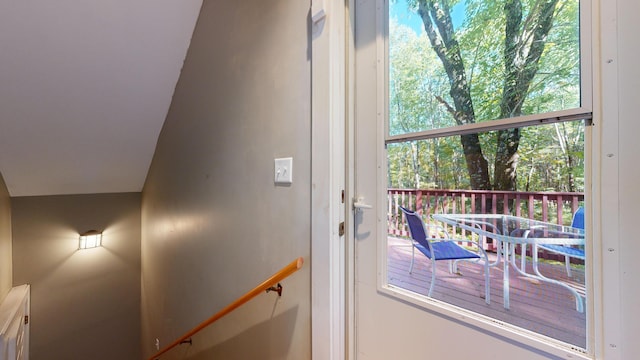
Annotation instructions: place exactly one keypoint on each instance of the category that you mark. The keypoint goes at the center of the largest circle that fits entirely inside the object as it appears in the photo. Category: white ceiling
(84, 90)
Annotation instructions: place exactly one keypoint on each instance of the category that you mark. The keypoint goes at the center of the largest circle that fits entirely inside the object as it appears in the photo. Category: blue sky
(399, 11)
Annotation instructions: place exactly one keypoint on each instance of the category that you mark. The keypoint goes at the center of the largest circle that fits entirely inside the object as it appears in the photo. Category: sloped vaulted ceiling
(84, 90)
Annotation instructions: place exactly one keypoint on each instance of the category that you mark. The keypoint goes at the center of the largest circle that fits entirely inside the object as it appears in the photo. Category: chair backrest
(416, 227)
(578, 219)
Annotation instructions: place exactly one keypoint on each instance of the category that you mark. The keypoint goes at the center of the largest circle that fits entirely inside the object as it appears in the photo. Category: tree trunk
(506, 159)
(524, 45)
(477, 165)
(415, 163)
(438, 25)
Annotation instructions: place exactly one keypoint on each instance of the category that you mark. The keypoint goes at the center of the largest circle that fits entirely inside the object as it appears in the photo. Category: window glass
(510, 195)
(463, 62)
(549, 158)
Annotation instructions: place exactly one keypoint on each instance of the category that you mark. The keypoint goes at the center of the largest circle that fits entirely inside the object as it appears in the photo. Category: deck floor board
(541, 307)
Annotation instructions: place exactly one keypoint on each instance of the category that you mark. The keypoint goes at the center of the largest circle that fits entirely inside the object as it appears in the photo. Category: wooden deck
(537, 306)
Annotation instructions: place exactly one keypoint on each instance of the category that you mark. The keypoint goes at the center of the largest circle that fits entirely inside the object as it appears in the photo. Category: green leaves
(477, 61)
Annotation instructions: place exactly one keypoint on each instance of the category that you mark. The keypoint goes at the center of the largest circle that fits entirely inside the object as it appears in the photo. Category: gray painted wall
(5, 240)
(214, 225)
(85, 304)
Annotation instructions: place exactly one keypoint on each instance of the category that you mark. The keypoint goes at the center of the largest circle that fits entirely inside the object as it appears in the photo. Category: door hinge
(341, 229)
(26, 319)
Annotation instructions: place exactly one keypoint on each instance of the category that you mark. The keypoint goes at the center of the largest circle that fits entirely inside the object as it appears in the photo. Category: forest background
(458, 62)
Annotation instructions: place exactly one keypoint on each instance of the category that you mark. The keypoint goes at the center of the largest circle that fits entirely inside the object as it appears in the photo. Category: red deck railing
(555, 207)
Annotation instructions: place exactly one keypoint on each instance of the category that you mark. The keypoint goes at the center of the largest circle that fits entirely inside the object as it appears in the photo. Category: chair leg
(433, 276)
(567, 262)
(534, 262)
(487, 287)
(498, 253)
(536, 270)
(413, 255)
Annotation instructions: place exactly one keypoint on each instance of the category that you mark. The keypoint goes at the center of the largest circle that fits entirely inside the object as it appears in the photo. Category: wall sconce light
(90, 239)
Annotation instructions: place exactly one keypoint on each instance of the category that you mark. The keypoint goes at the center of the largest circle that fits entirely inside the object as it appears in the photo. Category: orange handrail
(275, 278)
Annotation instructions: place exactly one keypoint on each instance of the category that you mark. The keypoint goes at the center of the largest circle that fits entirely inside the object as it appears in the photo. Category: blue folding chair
(569, 251)
(435, 249)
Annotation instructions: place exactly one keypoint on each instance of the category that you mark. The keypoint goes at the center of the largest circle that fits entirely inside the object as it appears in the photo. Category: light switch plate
(283, 171)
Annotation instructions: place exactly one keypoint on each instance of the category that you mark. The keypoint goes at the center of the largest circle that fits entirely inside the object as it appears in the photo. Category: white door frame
(330, 322)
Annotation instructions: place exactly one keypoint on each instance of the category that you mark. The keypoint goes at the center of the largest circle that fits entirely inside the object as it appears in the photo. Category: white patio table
(511, 231)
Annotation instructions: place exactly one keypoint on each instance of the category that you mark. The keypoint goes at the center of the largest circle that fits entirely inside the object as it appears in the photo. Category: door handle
(359, 204)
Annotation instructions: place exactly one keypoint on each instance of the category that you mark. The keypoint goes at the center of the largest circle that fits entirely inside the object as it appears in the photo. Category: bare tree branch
(449, 108)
